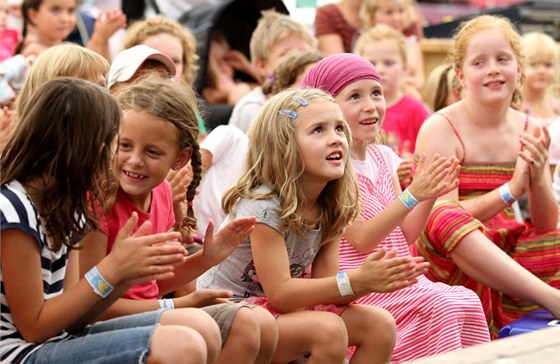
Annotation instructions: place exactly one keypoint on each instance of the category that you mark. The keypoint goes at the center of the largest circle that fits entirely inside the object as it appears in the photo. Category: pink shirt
(162, 218)
(403, 121)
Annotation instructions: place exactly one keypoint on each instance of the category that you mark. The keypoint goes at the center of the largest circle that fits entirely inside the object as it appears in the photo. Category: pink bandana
(335, 72)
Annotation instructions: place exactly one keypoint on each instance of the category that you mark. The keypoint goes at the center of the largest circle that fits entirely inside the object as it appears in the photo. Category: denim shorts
(121, 340)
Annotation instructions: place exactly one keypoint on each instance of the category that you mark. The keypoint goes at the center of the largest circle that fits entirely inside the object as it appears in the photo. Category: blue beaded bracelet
(505, 194)
(408, 199)
(100, 286)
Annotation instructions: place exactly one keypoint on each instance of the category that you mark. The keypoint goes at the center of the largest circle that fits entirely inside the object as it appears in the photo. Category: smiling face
(322, 143)
(363, 106)
(386, 56)
(147, 150)
(539, 74)
(392, 13)
(54, 20)
(490, 70)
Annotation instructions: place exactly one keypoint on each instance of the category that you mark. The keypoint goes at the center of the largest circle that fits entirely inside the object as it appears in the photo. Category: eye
(153, 153)
(354, 96)
(317, 130)
(339, 128)
(503, 59)
(377, 93)
(124, 146)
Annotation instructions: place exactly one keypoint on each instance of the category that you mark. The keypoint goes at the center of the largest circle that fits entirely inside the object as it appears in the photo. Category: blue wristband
(505, 194)
(100, 286)
(408, 199)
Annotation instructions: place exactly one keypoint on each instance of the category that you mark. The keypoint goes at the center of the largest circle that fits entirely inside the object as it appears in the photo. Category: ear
(183, 158)
(460, 78)
(519, 73)
(260, 66)
(32, 15)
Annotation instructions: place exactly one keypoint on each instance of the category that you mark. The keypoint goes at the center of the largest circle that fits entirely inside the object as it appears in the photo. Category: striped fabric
(449, 223)
(18, 212)
(431, 317)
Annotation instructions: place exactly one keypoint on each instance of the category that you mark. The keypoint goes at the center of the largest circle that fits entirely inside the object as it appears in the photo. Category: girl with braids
(158, 134)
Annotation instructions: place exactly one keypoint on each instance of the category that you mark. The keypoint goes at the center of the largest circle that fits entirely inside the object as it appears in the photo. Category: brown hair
(63, 138)
(289, 69)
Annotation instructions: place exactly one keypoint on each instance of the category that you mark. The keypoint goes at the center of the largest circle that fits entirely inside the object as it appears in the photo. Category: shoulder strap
(456, 133)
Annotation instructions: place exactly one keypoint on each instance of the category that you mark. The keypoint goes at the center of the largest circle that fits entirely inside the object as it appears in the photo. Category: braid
(189, 222)
(19, 47)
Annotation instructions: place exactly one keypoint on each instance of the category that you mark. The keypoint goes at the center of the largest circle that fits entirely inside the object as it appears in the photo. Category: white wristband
(166, 303)
(343, 283)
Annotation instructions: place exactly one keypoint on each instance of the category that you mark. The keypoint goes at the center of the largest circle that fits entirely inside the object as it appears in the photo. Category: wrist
(408, 199)
(344, 284)
(505, 194)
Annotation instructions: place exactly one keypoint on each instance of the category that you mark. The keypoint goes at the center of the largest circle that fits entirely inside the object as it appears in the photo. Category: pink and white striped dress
(431, 317)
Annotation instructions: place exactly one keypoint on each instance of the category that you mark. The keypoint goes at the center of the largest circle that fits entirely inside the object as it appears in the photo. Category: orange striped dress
(449, 224)
(431, 317)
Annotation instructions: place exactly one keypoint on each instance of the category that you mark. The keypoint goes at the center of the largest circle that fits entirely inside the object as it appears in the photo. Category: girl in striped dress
(473, 238)
(431, 317)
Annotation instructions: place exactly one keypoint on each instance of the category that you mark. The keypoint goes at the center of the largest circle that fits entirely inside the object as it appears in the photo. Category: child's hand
(179, 181)
(107, 23)
(404, 172)
(203, 297)
(383, 271)
(140, 257)
(218, 246)
(436, 178)
(534, 151)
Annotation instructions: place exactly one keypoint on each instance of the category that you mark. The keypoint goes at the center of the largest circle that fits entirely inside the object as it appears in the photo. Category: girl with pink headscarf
(431, 317)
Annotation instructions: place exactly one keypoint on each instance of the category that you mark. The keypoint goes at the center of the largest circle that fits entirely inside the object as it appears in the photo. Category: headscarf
(333, 73)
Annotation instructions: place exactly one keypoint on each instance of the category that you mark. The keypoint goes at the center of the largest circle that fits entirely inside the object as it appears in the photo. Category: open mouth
(134, 175)
(369, 121)
(336, 156)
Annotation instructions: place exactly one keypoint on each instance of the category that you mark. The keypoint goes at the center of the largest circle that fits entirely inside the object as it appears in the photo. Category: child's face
(54, 20)
(279, 51)
(388, 61)
(323, 147)
(171, 46)
(539, 74)
(3, 15)
(490, 71)
(147, 150)
(393, 14)
(363, 106)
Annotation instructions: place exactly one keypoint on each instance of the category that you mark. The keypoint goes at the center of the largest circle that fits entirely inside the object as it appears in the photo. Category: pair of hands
(532, 161)
(435, 177)
(141, 257)
(382, 272)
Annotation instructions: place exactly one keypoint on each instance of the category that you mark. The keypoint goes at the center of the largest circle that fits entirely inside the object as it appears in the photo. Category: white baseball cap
(127, 62)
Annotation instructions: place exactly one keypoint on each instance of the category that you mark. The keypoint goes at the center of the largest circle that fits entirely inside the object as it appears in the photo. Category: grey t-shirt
(237, 272)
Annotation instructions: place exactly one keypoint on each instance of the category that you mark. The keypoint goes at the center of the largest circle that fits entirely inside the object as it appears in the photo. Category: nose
(368, 105)
(493, 67)
(135, 158)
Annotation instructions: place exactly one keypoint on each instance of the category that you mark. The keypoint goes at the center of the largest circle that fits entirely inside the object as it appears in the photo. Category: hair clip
(289, 113)
(300, 100)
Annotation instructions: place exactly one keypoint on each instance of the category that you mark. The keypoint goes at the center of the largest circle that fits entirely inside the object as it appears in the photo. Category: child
(452, 317)
(442, 87)
(170, 38)
(67, 133)
(275, 35)
(297, 182)
(395, 13)
(385, 48)
(49, 22)
(158, 134)
(472, 237)
(541, 60)
(8, 35)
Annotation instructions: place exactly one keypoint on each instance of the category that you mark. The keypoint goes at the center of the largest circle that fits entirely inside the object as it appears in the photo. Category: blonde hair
(440, 84)
(369, 8)
(539, 46)
(379, 33)
(64, 60)
(289, 69)
(273, 27)
(273, 160)
(470, 28)
(141, 30)
(174, 102)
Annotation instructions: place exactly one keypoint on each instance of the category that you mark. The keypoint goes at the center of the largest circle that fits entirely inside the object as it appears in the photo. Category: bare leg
(373, 331)
(243, 342)
(269, 334)
(321, 334)
(199, 321)
(484, 262)
(177, 344)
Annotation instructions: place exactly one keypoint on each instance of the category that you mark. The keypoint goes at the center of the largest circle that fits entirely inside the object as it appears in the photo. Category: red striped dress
(449, 224)
(431, 317)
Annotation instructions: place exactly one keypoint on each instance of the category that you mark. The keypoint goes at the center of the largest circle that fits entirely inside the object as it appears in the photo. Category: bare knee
(330, 337)
(245, 331)
(269, 334)
(177, 344)
(199, 321)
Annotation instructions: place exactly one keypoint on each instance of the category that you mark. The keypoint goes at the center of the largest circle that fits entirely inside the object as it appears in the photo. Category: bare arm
(330, 44)
(38, 319)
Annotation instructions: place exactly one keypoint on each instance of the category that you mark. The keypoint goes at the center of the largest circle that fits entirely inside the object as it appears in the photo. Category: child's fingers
(128, 227)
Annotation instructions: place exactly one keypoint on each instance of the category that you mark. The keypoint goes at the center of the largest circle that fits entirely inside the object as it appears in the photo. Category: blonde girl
(396, 14)
(472, 237)
(297, 182)
(51, 172)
